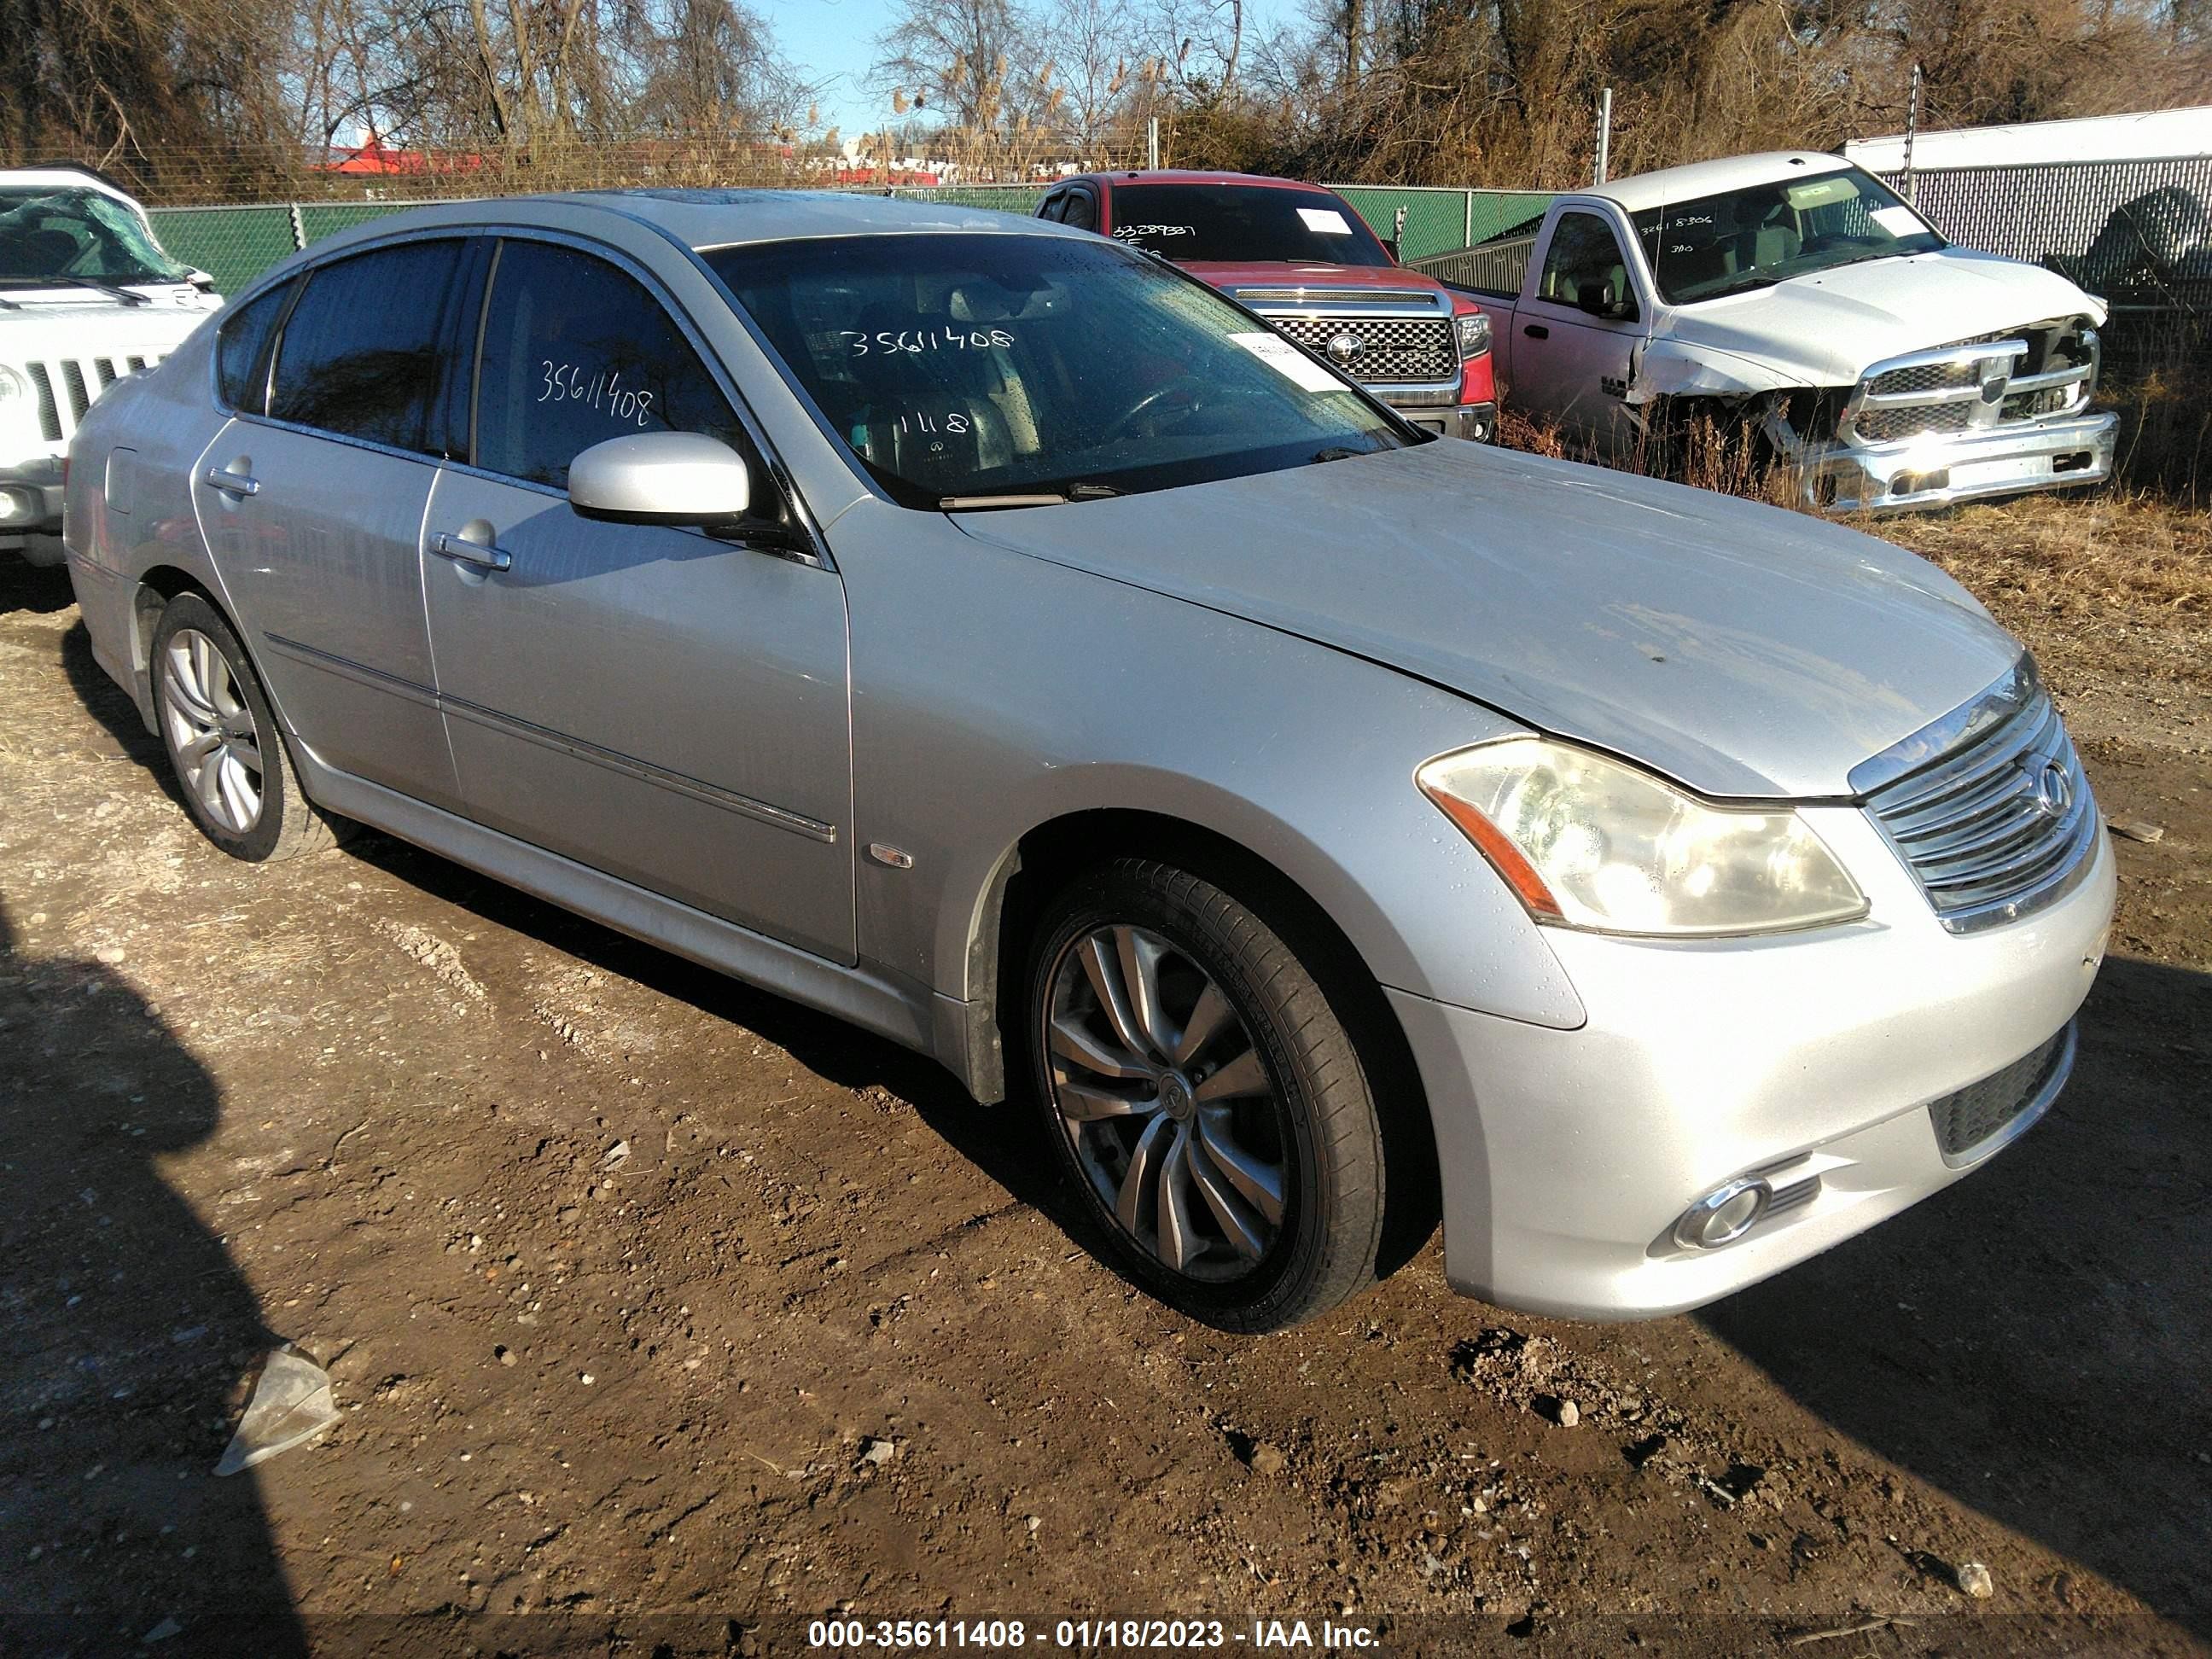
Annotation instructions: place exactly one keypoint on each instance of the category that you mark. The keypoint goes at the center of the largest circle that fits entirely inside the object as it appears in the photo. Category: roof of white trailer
(2153, 136)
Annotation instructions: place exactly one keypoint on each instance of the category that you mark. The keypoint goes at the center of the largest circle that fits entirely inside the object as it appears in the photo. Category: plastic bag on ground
(291, 1403)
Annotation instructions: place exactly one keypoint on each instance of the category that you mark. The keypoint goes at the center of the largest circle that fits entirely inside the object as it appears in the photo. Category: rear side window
(239, 343)
(576, 352)
(360, 356)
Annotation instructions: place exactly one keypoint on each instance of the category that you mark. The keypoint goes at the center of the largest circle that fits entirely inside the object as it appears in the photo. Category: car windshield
(959, 368)
(1243, 223)
(67, 234)
(1754, 238)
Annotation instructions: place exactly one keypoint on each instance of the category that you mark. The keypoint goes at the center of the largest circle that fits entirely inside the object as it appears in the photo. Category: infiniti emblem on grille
(2054, 789)
(1343, 347)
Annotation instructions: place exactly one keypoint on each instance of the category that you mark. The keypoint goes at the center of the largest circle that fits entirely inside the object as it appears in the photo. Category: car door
(657, 703)
(1578, 334)
(312, 501)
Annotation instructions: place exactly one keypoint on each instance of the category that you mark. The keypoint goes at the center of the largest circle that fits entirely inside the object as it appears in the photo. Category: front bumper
(1940, 469)
(1477, 423)
(31, 508)
(1812, 1059)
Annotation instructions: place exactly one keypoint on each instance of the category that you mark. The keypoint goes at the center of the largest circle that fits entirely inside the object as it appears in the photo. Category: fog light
(18, 505)
(1723, 1215)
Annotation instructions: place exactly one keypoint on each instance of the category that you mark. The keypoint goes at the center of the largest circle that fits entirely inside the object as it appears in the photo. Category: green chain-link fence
(237, 244)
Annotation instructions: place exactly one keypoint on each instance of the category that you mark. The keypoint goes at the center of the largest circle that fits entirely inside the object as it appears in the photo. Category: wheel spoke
(1179, 1244)
(1101, 968)
(221, 690)
(238, 791)
(203, 668)
(1076, 1045)
(184, 694)
(1245, 1075)
(1238, 1223)
(1143, 1165)
(1262, 1183)
(1081, 1104)
(206, 784)
(246, 752)
(202, 745)
(1207, 1020)
(1140, 955)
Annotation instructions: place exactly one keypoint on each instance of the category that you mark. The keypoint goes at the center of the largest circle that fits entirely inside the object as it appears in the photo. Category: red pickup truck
(1304, 260)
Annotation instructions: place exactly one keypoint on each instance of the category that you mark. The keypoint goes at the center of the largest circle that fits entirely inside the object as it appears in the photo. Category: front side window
(359, 355)
(72, 235)
(576, 352)
(1080, 210)
(239, 341)
(1584, 268)
(1241, 223)
(1755, 238)
(959, 366)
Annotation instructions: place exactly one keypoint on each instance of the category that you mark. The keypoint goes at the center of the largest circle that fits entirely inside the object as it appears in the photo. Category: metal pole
(1604, 133)
(1466, 231)
(1153, 144)
(1912, 131)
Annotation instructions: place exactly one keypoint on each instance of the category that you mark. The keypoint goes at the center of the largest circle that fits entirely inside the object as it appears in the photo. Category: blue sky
(835, 40)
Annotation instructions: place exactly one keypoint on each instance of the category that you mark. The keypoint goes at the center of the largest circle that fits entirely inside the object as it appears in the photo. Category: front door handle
(1536, 331)
(461, 550)
(231, 484)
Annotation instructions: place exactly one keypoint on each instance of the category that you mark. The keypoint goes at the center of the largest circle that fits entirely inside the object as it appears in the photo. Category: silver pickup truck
(1798, 295)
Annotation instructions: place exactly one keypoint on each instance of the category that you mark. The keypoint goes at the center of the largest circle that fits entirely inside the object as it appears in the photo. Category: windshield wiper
(1337, 452)
(122, 293)
(1051, 497)
(1744, 287)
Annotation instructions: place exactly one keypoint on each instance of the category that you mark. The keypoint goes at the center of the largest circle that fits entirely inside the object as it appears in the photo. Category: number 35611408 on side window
(991, 634)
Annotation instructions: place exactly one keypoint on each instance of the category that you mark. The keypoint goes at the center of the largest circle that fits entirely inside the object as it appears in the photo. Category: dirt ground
(663, 1316)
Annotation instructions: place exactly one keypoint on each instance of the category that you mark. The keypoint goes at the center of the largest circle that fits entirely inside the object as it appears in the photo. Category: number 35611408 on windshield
(565, 383)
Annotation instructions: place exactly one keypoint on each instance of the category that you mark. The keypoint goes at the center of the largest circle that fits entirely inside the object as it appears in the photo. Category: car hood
(1825, 329)
(1320, 278)
(89, 326)
(1743, 650)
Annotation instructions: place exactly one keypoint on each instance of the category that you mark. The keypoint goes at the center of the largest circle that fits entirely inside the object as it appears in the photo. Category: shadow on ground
(128, 1330)
(2034, 1340)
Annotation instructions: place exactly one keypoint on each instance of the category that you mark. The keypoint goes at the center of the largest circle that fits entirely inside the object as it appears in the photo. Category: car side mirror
(1599, 300)
(679, 478)
(202, 280)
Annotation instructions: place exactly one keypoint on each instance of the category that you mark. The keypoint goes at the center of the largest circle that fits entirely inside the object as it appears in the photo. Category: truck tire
(1203, 1098)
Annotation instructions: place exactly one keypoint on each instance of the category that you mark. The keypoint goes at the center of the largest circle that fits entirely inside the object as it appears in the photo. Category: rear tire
(1203, 1098)
(224, 745)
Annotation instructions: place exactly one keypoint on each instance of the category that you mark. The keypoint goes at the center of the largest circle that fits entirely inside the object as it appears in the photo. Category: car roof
(62, 175)
(1686, 184)
(715, 218)
(1185, 176)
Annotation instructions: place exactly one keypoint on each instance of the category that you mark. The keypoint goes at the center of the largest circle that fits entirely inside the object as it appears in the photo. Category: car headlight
(12, 385)
(1589, 841)
(1473, 327)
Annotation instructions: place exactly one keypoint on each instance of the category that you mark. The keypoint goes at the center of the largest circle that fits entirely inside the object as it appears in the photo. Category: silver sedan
(987, 634)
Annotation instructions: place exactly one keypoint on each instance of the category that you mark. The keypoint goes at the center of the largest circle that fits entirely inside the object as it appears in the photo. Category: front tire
(1204, 1097)
(224, 746)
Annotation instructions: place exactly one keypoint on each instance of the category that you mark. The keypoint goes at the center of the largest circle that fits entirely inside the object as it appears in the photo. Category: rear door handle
(231, 484)
(1536, 331)
(461, 550)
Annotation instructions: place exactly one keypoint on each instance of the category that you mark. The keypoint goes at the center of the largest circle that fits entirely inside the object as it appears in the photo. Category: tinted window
(959, 365)
(360, 355)
(1052, 208)
(244, 335)
(1079, 211)
(1584, 268)
(576, 352)
(1234, 223)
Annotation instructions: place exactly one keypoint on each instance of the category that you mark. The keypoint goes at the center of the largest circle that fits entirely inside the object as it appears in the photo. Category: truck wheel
(1203, 1098)
(223, 742)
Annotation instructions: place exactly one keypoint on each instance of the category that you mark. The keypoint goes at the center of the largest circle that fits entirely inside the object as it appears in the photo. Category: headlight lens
(1588, 841)
(1474, 334)
(12, 385)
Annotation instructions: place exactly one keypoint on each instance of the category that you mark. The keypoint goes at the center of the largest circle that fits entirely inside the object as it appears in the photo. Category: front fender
(993, 693)
(1673, 368)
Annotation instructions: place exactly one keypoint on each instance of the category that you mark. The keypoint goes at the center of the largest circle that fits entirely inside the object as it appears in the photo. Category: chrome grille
(1393, 348)
(1972, 1121)
(1989, 807)
(2024, 375)
(1882, 426)
(1924, 377)
(67, 386)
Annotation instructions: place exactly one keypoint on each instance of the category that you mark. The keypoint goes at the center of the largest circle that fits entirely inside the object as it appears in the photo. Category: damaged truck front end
(1996, 415)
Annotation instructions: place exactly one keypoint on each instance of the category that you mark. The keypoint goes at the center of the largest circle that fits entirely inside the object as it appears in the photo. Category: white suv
(86, 296)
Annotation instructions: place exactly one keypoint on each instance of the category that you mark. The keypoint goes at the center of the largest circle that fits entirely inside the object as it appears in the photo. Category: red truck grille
(1391, 349)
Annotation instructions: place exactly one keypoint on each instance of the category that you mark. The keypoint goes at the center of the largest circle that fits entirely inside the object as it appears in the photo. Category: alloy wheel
(1172, 1112)
(211, 731)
